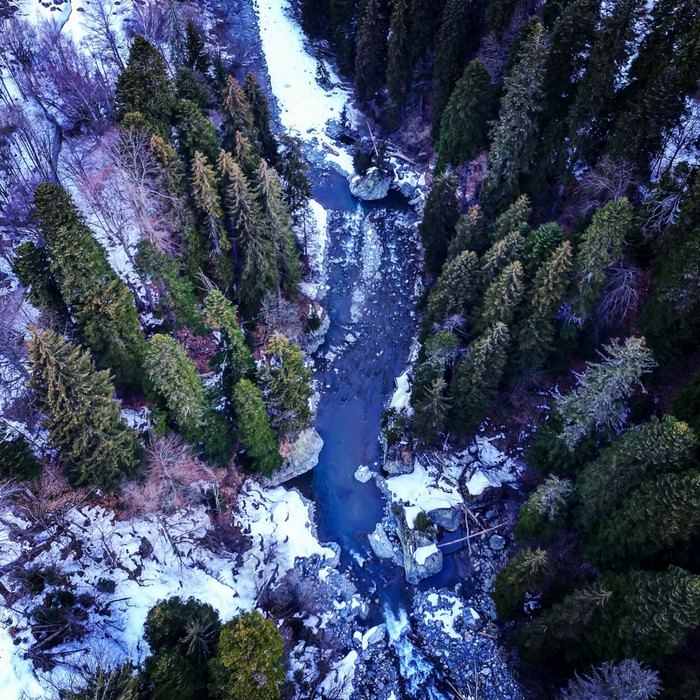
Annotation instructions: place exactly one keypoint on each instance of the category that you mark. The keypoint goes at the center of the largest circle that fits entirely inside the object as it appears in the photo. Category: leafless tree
(102, 29)
(621, 296)
(612, 178)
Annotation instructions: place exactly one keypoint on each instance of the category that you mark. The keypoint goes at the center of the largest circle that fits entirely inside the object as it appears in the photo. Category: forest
(157, 332)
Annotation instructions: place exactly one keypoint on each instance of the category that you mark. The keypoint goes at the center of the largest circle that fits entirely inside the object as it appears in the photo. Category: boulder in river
(373, 185)
(422, 557)
(303, 458)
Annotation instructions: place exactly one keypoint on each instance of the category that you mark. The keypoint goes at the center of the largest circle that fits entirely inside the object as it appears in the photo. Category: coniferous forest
(161, 325)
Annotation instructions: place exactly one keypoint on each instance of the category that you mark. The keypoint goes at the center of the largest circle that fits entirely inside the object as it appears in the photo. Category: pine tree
(465, 122)
(371, 53)
(469, 234)
(261, 451)
(145, 87)
(658, 516)
(536, 330)
(279, 222)
(260, 112)
(175, 382)
(601, 248)
(597, 402)
(639, 455)
(514, 138)
(476, 378)
(287, 387)
(90, 288)
(501, 298)
(439, 221)
(451, 51)
(80, 413)
(254, 243)
(455, 290)
(398, 66)
(248, 661)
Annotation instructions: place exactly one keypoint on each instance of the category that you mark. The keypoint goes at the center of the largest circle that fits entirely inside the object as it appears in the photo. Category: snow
(422, 553)
(426, 488)
(446, 610)
(305, 106)
(338, 683)
(402, 395)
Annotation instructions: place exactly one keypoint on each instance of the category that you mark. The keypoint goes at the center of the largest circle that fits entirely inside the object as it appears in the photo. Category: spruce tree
(90, 288)
(238, 115)
(540, 244)
(175, 382)
(455, 290)
(205, 192)
(371, 52)
(80, 413)
(469, 234)
(476, 378)
(513, 220)
(33, 269)
(287, 387)
(514, 138)
(195, 132)
(430, 411)
(525, 574)
(601, 248)
(261, 453)
(17, 461)
(536, 329)
(197, 58)
(597, 402)
(628, 680)
(501, 254)
(465, 122)
(439, 221)
(437, 355)
(501, 298)
(398, 56)
(145, 87)
(260, 112)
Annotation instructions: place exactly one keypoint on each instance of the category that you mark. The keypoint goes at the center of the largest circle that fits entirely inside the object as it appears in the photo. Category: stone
(422, 557)
(394, 467)
(372, 186)
(497, 543)
(304, 457)
(448, 518)
(380, 543)
(314, 339)
(363, 474)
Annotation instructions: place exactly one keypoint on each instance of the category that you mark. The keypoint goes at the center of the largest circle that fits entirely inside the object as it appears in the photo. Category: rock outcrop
(373, 185)
(303, 458)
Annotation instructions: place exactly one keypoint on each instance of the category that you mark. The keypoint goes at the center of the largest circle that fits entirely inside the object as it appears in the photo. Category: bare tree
(101, 25)
(612, 178)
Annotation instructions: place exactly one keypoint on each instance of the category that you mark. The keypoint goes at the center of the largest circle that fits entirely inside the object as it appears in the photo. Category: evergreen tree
(498, 14)
(477, 376)
(601, 248)
(514, 138)
(439, 221)
(197, 59)
(33, 269)
(465, 123)
(437, 355)
(469, 234)
(455, 290)
(540, 244)
(371, 52)
(175, 382)
(686, 403)
(238, 115)
(90, 288)
(260, 112)
(451, 53)
(597, 403)
(254, 243)
(279, 222)
(501, 298)
(80, 413)
(261, 452)
(535, 332)
(205, 192)
(145, 87)
(17, 461)
(287, 385)
(398, 71)
(628, 680)
(431, 411)
(544, 510)
(297, 189)
(513, 220)
(633, 535)
(501, 254)
(524, 575)
(195, 132)
(248, 661)
(638, 456)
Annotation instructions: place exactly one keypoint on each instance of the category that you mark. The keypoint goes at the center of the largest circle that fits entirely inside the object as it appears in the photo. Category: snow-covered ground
(281, 533)
(305, 105)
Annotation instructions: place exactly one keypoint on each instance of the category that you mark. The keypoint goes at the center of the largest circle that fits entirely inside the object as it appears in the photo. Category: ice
(402, 395)
(425, 488)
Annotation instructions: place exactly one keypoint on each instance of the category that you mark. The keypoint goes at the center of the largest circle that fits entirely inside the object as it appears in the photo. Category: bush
(423, 523)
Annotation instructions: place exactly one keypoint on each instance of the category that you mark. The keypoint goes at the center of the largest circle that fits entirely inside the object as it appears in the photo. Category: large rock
(449, 518)
(422, 557)
(371, 186)
(314, 339)
(303, 458)
(380, 543)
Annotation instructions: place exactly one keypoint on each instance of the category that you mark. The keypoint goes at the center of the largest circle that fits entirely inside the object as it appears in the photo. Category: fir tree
(501, 298)
(145, 87)
(455, 290)
(80, 413)
(287, 385)
(33, 269)
(17, 461)
(197, 58)
(437, 355)
(439, 221)
(398, 66)
(540, 244)
(248, 661)
(261, 452)
(371, 53)
(260, 112)
(238, 115)
(597, 402)
(175, 382)
(469, 234)
(512, 220)
(464, 125)
(544, 510)
(297, 189)
(205, 192)
(536, 330)
(514, 136)
(602, 247)
(525, 574)
(431, 411)
(477, 376)
(501, 254)
(195, 132)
